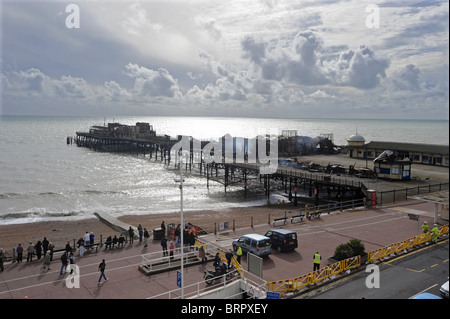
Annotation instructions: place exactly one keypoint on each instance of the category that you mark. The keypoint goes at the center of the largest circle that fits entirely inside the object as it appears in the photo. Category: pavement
(375, 227)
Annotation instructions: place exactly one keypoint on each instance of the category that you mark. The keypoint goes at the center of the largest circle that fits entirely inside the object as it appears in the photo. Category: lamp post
(182, 225)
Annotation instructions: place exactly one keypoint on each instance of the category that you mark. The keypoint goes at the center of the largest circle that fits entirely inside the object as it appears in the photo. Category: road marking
(434, 265)
(415, 270)
(423, 291)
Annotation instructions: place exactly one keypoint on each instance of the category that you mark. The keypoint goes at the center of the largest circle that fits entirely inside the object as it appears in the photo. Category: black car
(282, 239)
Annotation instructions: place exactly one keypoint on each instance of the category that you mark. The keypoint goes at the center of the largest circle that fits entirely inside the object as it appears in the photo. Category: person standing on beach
(101, 268)
(38, 249)
(30, 251)
(19, 251)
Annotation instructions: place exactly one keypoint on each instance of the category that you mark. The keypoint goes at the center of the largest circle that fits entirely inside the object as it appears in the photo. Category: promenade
(375, 227)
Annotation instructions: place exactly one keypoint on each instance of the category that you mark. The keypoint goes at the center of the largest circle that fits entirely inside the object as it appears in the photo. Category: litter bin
(158, 233)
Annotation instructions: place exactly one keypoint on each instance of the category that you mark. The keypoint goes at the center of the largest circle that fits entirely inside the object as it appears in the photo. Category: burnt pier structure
(242, 166)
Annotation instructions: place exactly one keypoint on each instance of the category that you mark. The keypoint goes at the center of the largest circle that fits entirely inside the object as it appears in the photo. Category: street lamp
(182, 224)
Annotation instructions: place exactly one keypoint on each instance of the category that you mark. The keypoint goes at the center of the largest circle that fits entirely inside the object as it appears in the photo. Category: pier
(238, 163)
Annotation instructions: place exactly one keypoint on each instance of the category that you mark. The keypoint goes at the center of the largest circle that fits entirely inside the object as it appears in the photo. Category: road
(424, 270)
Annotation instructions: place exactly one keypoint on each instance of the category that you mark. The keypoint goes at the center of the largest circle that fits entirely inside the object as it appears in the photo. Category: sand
(61, 231)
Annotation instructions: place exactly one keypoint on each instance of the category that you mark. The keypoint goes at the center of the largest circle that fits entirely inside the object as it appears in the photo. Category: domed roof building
(356, 140)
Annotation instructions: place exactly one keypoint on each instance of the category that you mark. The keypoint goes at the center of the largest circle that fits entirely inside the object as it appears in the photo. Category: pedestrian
(80, 244)
(86, 238)
(2, 257)
(316, 261)
(101, 268)
(146, 237)
(171, 249)
(163, 228)
(239, 254)
(30, 252)
(141, 233)
(216, 261)
(19, 251)
(202, 254)
(131, 234)
(435, 233)
(72, 262)
(91, 238)
(68, 248)
(64, 260)
(425, 227)
(115, 240)
(51, 247)
(121, 240)
(47, 260)
(38, 249)
(108, 242)
(177, 234)
(45, 244)
(164, 246)
(191, 240)
(306, 211)
(229, 256)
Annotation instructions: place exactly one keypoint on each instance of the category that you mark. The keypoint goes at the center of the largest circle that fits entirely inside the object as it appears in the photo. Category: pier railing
(399, 195)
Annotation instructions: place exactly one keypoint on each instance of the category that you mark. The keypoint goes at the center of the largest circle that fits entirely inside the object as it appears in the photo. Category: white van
(256, 244)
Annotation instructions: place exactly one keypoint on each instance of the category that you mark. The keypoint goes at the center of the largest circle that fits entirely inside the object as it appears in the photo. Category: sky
(230, 58)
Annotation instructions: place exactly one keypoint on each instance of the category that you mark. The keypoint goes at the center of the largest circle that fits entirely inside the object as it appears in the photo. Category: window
(395, 170)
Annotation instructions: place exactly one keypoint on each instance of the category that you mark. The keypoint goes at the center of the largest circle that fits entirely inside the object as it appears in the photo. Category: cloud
(304, 60)
(154, 83)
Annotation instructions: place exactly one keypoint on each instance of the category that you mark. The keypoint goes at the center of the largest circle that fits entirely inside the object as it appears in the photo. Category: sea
(43, 178)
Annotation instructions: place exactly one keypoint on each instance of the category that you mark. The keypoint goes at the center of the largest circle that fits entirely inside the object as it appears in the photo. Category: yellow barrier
(314, 277)
(411, 242)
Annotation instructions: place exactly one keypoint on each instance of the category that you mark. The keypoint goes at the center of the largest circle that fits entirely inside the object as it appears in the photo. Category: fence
(315, 276)
(330, 271)
(398, 195)
(404, 245)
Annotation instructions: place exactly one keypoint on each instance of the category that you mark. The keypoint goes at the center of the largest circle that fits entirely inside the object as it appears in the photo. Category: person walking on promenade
(164, 246)
(435, 233)
(425, 227)
(141, 233)
(316, 261)
(47, 260)
(64, 262)
(146, 237)
(101, 268)
(131, 234)
(306, 211)
(30, 251)
(19, 251)
(68, 248)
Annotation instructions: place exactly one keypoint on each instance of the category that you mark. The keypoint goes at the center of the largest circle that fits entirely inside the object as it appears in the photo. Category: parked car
(256, 244)
(444, 290)
(282, 239)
